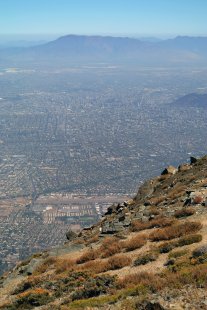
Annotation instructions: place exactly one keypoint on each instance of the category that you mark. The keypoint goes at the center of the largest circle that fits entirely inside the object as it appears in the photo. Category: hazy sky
(115, 17)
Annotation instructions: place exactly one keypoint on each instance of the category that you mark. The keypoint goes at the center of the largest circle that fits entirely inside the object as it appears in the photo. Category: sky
(136, 18)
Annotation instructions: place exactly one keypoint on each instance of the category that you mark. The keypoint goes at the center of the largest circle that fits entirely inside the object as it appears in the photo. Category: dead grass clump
(175, 231)
(135, 242)
(47, 264)
(118, 261)
(92, 239)
(87, 256)
(184, 212)
(156, 200)
(154, 211)
(177, 191)
(96, 266)
(109, 247)
(63, 265)
(146, 279)
(157, 222)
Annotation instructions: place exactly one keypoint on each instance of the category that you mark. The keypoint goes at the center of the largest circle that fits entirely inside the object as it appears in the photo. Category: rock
(193, 160)
(71, 235)
(184, 167)
(169, 170)
(200, 251)
(154, 306)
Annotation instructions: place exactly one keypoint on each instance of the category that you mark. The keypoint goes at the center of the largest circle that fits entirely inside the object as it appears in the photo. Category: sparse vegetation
(175, 231)
(157, 222)
(190, 239)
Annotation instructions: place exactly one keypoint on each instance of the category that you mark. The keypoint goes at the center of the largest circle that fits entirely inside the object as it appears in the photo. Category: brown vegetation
(135, 242)
(175, 231)
(184, 212)
(157, 222)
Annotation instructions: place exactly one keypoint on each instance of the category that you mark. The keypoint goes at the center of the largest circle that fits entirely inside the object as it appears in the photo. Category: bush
(134, 243)
(158, 222)
(47, 264)
(94, 287)
(200, 251)
(32, 298)
(178, 254)
(109, 247)
(87, 256)
(146, 258)
(63, 265)
(184, 212)
(96, 266)
(118, 261)
(168, 246)
(175, 231)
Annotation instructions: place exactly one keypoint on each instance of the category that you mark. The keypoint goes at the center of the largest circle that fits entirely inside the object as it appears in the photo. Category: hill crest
(147, 253)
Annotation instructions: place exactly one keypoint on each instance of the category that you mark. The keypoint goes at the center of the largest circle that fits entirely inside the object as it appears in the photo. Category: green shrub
(94, 287)
(146, 258)
(186, 240)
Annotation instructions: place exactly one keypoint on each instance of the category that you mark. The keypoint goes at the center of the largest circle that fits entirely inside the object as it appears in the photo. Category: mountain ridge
(180, 50)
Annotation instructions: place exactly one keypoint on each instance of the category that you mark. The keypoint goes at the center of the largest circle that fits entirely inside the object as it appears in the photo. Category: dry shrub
(175, 231)
(63, 265)
(87, 256)
(118, 261)
(197, 200)
(158, 222)
(177, 191)
(184, 212)
(189, 275)
(96, 266)
(46, 265)
(135, 242)
(156, 200)
(154, 211)
(92, 240)
(142, 278)
(109, 247)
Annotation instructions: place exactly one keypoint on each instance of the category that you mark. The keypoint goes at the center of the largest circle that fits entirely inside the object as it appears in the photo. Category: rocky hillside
(147, 253)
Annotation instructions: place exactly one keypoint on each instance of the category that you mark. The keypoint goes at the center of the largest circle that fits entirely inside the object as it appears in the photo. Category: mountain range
(70, 48)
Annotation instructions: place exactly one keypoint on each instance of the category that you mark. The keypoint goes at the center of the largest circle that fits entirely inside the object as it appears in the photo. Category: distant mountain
(192, 100)
(181, 50)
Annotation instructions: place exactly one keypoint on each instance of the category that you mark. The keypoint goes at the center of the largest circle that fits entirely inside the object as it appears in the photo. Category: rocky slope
(147, 253)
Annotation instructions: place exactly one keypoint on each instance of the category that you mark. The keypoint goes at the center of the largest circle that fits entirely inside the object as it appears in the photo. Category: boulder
(193, 160)
(169, 170)
(71, 235)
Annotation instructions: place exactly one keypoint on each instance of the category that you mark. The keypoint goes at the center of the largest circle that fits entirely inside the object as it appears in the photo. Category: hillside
(147, 253)
(192, 100)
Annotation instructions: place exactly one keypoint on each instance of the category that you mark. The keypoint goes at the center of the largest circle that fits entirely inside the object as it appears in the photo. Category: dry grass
(176, 192)
(95, 266)
(63, 265)
(109, 247)
(118, 261)
(46, 265)
(175, 231)
(158, 222)
(87, 256)
(184, 212)
(135, 242)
